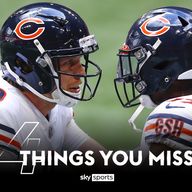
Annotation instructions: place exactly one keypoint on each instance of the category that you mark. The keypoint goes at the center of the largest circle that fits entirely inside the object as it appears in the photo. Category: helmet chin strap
(145, 101)
(64, 99)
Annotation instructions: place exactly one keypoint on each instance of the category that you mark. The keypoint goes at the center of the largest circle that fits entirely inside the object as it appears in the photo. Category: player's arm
(9, 144)
(77, 139)
(6, 155)
(157, 148)
(91, 144)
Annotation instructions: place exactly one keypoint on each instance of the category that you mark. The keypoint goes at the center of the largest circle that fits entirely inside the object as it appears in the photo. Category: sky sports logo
(98, 177)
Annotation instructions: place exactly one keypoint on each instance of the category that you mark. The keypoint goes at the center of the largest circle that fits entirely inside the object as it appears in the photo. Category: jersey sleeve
(170, 124)
(9, 141)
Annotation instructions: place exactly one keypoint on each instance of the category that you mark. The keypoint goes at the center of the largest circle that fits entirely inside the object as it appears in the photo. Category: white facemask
(145, 101)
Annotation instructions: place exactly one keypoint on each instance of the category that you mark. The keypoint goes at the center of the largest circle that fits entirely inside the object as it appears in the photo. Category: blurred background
(103, 117)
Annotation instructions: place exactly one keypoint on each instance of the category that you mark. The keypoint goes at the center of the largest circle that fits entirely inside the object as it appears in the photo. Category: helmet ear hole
(23, 64)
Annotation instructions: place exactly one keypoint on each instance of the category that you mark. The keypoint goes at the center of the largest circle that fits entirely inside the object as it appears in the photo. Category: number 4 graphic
(26, 130)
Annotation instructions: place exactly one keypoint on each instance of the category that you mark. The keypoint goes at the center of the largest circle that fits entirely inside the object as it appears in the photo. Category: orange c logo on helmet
(33, 35)
(159, 32)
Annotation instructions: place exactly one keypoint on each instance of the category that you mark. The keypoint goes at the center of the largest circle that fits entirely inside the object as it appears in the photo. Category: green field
(104, 118)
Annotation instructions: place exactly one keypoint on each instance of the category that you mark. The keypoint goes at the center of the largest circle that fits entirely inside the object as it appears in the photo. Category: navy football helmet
(157, 51)
(34, 37)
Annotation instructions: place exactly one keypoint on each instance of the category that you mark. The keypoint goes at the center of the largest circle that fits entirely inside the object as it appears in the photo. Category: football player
(45, 57)
(155, 71)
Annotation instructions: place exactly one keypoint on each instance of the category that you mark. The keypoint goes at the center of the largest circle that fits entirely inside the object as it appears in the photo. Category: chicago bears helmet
(36, 35)
(157, 51)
